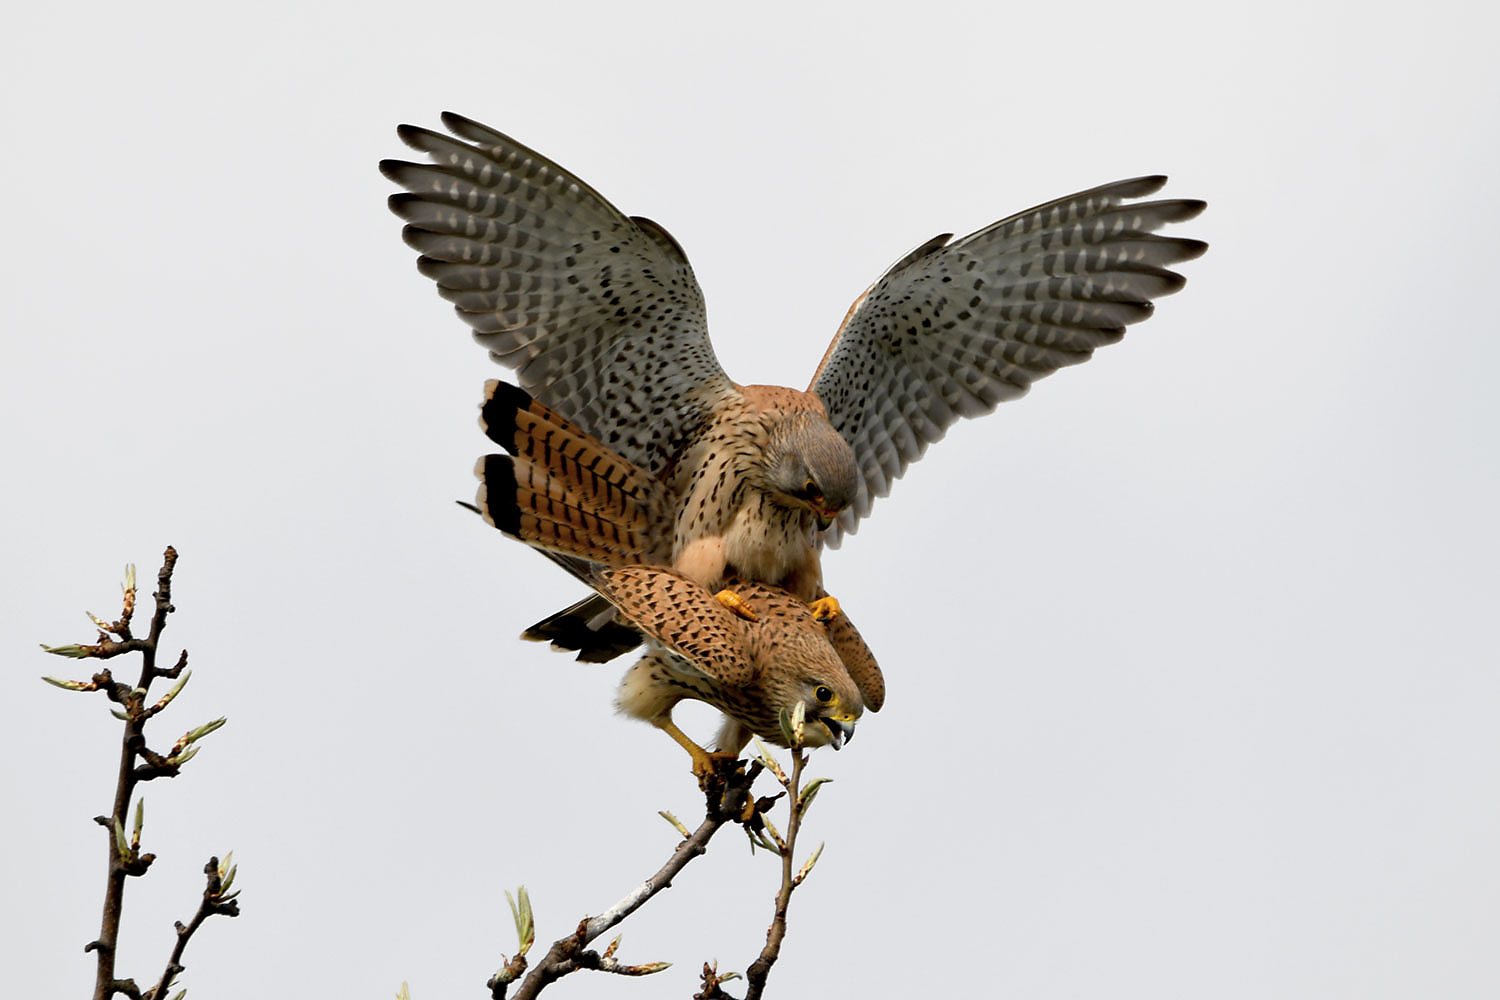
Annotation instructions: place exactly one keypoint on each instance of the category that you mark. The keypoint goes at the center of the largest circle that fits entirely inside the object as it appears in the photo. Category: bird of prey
(752, 671)
(602, 321)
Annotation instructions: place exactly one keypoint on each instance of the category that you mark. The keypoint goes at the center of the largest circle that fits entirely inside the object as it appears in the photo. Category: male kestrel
(603, 322)
(752, 671)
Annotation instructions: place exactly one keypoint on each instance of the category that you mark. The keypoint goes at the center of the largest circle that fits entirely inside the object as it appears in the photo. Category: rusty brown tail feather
(560, 490)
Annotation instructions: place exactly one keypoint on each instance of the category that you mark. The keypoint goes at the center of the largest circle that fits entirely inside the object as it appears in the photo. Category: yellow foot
(734, 602)
(714, 768)
(708, 767)
(825, 609)
(747, 814)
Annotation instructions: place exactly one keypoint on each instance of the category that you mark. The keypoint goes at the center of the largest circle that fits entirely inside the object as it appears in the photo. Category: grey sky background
(1191, 655)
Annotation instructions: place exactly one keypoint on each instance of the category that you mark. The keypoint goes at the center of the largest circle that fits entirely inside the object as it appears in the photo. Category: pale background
(1193, 679)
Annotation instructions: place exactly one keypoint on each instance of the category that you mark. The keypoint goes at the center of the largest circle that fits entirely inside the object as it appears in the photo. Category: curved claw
(825, 609)
(734, 602)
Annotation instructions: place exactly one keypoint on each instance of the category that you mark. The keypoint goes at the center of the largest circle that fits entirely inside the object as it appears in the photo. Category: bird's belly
(774, 550)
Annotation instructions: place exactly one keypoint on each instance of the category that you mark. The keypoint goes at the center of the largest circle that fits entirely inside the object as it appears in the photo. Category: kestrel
(603, 322)
(751, 671)
(584, 505)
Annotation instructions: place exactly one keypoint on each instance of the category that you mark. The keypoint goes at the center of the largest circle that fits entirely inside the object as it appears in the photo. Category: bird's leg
(734, 602)
(825, 608)
(705, 765)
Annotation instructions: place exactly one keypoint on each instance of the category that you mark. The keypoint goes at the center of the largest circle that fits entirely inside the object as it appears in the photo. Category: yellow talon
(734, 602)
(706, 766)
(825, 609)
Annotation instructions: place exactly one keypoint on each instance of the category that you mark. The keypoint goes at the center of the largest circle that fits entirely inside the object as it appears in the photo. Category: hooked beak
(825, 518)
(839, 731)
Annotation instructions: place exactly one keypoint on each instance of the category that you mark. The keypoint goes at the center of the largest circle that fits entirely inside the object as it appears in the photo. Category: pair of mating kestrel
(697, 508)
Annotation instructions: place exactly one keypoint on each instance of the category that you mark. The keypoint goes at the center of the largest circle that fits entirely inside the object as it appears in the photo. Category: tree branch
(755, 976)
(725, 803)
(216, 900)
(125, 857)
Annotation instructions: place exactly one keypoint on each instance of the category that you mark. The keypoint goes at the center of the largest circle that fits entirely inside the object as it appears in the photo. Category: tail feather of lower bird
(589, 627)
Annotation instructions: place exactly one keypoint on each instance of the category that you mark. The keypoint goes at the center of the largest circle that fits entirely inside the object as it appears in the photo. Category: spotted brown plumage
(562, 492)
(600, 317)
(750, 671)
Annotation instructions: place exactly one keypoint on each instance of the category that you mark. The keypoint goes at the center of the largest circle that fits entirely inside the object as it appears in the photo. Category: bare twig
(711, 980)
(216, 899)
(726, 803)
(755, 976)
(799, 800)
(125, 857)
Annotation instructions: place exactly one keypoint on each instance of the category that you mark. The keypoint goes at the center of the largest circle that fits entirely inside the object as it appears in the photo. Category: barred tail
(560, 489)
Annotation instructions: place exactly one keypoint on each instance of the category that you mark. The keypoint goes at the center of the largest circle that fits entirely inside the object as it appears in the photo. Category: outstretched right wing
(951, 330)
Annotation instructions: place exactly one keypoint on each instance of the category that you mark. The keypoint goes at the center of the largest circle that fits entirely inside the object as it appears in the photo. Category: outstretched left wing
(952, 330)
(598, 313)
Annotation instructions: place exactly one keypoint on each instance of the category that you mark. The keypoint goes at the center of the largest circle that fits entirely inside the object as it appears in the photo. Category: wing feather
(598, 314)
(954, 329)
(682, 616)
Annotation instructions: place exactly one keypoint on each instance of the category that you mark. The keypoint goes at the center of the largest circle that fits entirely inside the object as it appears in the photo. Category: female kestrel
(601, 319)
(752, 671)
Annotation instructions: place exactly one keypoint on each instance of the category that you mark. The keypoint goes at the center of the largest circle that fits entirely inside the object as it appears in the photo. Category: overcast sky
(1193, 684)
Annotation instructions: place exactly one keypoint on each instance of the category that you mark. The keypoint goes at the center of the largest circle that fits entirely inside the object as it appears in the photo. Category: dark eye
(823, 694)
(811, 491)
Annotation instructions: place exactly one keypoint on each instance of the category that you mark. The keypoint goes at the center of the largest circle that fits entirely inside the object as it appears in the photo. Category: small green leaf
(774, 833)
(177, 760)
(521, 912)
(166, 699)
(809, 793)
(649, 968)
(72, 651)
(676, 823)
(140, 821)
(769, 761)
(227, 872)
(194, 735)
(69, 685)
(807, 865)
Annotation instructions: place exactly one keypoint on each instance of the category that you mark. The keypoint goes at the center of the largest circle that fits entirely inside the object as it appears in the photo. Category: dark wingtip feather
(398, 203)
(1135, 187)
(1187, 249)
(1191, 209)
(497, 494)
(392, 169)
(409, 134)
(473, 131)
(497, 414)
(453, 121)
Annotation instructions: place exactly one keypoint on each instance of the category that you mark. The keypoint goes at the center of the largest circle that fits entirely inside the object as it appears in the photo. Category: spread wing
(598, 314)
(682, 616)
(951, 330)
